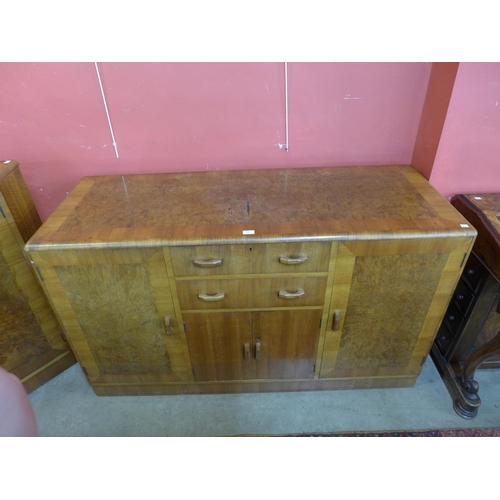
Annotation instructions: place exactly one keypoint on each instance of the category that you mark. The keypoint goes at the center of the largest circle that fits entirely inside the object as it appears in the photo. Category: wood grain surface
(18, 198)
(483, 211)
(22, 339)
(31, 342)
(253, 206)
(251, 259)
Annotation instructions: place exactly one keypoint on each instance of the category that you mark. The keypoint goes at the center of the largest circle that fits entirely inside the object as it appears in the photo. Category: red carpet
(478, 432)
(483, 432)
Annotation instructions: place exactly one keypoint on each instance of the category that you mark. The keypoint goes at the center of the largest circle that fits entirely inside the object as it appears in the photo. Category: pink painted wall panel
(198, 116)
(183, 116)
(468, 157)
(356, 113)
(54, 123)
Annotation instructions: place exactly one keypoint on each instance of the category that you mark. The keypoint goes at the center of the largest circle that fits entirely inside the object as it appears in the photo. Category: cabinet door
(249, 345)
(220, 345)
(387, 303)
(116, 307)
(288, 343)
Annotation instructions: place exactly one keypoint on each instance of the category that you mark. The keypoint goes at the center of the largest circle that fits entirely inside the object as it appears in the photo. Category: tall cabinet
(32, 345)
(469, 337)
(259, 280)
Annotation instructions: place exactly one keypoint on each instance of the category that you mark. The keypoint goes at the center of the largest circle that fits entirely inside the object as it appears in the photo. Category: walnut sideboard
(31, 343)
(258, 280)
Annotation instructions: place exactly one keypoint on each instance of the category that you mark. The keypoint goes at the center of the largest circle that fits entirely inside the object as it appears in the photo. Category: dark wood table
(469, 336)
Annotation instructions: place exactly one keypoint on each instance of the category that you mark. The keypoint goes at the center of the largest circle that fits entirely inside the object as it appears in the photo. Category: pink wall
(197, 116)
(468, 156)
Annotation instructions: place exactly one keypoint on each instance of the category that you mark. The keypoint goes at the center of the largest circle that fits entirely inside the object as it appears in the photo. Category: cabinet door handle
(257, 350)
(299, 259)
(292, 295)
(247, 351)
(207, 262)
(336, 321)
(211, 297)
(168, 325)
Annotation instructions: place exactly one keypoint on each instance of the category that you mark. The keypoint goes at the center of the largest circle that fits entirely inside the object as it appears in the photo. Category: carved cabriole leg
(469, 386)
(451, 378)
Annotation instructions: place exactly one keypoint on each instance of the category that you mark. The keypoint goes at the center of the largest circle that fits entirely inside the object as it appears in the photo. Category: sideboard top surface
(242, 206)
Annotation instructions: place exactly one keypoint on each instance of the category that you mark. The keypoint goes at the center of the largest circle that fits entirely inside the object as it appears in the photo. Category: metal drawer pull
(247, 351)
(257, 349)
(336, 321)
(168, 324)
(211, 297)
(292, 295)
(207, 262)
(302, 257)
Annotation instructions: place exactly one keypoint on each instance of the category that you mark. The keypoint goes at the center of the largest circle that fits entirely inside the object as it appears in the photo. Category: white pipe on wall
(107, 113)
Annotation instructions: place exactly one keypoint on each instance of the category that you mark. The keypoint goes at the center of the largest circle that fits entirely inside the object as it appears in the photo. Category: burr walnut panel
(118, 315)
(240, 207)
(388, 302)
(251, 196)
(118, 312)
(387, 298)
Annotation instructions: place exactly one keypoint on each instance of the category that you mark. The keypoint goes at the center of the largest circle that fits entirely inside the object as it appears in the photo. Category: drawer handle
(247, 351)
(302, 257)
(168, 325)
(211, 297)
(336, 321)
(257, 350)
(292, 295)
(207, 262)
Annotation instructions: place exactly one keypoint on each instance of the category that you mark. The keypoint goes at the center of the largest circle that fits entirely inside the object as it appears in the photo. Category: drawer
(443, 339)
(463, 297)
(453, 319)
(220, 260)
(473, 272)
(251, 293)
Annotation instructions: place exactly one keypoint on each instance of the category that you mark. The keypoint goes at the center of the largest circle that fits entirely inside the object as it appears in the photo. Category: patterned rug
(478, 432)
